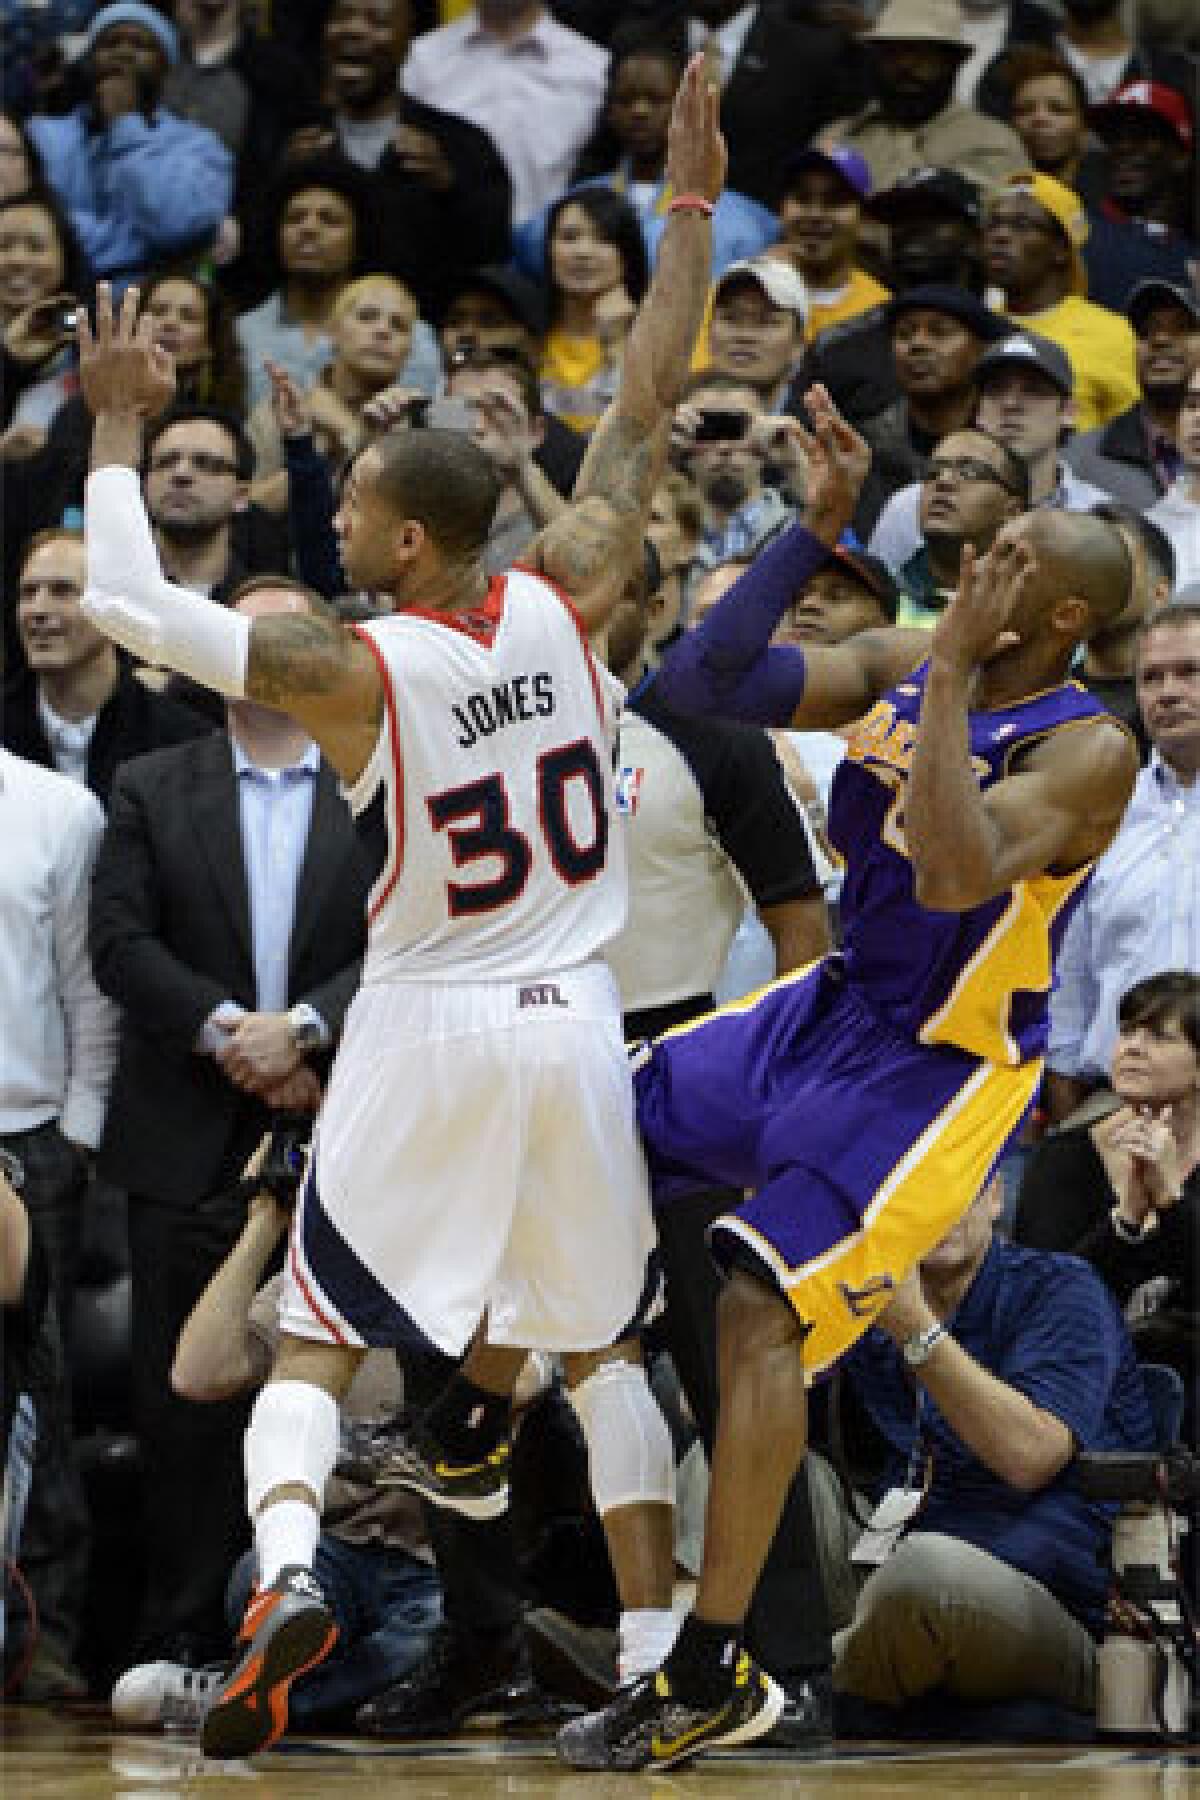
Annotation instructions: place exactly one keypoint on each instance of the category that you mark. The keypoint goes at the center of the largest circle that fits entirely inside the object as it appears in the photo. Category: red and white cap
(1166, 103)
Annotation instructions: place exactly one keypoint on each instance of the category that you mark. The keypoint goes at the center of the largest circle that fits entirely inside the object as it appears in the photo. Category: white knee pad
(630, 1454)
(292, 1438)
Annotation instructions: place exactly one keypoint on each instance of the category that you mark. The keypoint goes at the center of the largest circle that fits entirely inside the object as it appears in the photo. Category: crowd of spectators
(977, 225)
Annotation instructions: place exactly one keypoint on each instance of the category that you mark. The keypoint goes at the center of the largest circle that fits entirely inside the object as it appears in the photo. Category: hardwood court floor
(44, 1757)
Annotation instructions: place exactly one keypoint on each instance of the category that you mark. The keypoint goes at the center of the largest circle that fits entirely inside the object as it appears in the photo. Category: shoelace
(187, 1702)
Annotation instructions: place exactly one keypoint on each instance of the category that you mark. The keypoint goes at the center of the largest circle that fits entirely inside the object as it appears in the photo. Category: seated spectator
(1110, 655)
(372, 1559)
(1141, 910)
(722, 437)
(1027, 400)
(1032, 242)
(914, 50)
(78, 707)
(1123, 1188)
(1047, 107)
(371, 327)
(1136, 456)
(193, 321)
(19, 166)
(1178, 512)
(938, 335)
(140, 183)
(756, 332)
(820, 221)
(43, 279)
(533, 85)
(1024, 400)
(245, 87)
(973, 485)
(318, 229)
(998, 31)
(1096, 43)
(596, 275)
(932, 221)
(1148, 133)
(990, 1582)
(197, 464)
(442, 191)
(784, 72)
(628, 152)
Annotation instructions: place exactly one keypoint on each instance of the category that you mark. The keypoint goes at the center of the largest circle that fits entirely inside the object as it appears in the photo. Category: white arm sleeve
(131, 601)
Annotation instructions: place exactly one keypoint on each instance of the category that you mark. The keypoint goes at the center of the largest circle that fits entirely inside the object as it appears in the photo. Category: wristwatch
(920, 1346)
(307, 1028)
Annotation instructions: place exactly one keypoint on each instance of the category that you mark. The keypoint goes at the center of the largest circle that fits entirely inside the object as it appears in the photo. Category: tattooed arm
(595, 545)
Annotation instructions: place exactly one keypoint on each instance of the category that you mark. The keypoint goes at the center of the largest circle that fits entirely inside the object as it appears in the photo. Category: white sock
(285, 1535)
(647, 1638)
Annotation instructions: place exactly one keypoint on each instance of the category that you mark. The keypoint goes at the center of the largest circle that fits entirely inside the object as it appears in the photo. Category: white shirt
(1179, 517)
(1139, 915)
(69, 739)
(58, 1033)
(986, 30)
(537, 97)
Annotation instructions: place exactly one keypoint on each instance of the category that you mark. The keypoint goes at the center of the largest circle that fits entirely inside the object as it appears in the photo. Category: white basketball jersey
(488, 801)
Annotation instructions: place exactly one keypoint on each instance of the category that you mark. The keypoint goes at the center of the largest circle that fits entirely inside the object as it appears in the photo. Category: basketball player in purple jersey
(863, 1103)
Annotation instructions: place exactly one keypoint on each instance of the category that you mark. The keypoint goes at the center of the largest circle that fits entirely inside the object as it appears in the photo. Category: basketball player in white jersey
(476, 1154)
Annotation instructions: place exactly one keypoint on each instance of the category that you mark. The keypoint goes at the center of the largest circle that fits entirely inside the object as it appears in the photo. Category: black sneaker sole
(252, 1711)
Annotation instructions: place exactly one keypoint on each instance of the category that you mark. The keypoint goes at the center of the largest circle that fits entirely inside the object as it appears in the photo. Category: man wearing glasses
(973, 486)
(198, 462)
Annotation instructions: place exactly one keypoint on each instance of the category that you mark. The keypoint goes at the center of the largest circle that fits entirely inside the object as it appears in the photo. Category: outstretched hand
(978, 623)
(121, 368)
(696, 154)
(838, 460)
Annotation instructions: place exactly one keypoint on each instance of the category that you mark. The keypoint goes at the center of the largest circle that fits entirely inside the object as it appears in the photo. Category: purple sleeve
(727, 665)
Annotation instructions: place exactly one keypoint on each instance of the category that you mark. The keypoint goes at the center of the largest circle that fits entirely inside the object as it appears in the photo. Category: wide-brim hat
(920, 22)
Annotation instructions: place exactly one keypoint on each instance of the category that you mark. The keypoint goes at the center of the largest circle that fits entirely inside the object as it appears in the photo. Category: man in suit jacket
(228, 921)
(782, 79)
(77, 706)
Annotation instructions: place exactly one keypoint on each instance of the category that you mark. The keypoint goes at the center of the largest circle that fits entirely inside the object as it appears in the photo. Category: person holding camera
(990, 1367)
(372, 1557)
(727, 441)
(227, 921)
(139, 182)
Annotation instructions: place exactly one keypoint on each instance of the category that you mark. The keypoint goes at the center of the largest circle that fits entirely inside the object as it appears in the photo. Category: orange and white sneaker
(288, 1628)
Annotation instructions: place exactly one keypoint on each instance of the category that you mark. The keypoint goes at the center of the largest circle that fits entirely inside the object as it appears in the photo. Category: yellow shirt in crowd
(859, 295)
(1100, 345)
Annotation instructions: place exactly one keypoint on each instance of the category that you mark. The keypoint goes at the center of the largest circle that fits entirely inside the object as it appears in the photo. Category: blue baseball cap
(847, 164)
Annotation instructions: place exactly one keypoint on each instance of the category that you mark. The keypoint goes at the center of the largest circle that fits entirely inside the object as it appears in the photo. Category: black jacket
(132, 721)
(170, 939)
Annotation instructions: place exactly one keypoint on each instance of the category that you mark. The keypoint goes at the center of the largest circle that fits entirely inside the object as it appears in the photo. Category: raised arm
(594, 546)
(728, 665)
(304, 664)
(1059, 810)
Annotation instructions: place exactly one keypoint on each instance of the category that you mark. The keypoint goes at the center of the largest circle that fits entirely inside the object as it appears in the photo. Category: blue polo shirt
(1046, 1325)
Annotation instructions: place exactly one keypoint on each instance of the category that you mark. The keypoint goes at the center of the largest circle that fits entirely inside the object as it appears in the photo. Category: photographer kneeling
(988, 1370)
(372, 1559)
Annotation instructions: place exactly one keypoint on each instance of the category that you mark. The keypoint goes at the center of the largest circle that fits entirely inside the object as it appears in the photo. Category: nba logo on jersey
(629, 788)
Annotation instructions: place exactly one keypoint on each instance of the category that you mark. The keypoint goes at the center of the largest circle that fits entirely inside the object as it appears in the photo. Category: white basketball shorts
(476, 1154)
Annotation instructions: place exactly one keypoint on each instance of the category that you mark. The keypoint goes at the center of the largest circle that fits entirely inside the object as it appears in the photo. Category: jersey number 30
(478, 823)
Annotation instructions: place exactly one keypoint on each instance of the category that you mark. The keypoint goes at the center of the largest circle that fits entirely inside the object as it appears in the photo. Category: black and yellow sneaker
(404, 1454)
(647, 1727)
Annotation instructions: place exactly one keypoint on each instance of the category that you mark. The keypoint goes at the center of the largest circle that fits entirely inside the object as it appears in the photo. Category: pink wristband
(691, 203)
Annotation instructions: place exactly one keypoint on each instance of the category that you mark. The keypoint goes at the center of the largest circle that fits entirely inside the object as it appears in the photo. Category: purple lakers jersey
(979, 979)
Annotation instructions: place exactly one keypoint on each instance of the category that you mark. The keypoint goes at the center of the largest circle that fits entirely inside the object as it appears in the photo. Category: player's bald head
(1079, 557)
